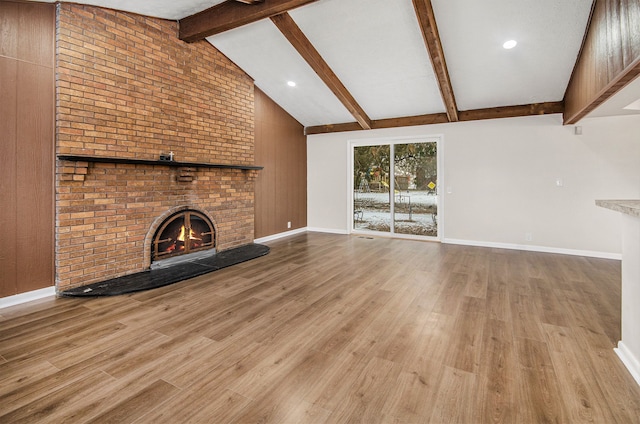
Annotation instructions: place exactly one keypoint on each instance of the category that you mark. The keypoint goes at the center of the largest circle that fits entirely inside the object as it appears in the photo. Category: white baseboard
(327, 230)
(17, 299)
(629, 360)
(524, 247)
(280, 235)
(530, 248)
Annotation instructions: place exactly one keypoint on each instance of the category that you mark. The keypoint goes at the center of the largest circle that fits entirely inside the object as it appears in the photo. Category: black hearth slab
(154, 278)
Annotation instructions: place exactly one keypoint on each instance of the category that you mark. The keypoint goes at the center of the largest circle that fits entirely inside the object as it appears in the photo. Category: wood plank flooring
(333, 329)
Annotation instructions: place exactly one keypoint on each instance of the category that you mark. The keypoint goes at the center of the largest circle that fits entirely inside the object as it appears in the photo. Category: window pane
(415, 196)
(371, 197)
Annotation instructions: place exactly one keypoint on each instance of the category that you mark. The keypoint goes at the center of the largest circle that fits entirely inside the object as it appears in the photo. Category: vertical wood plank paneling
(265, 184)
(27, 36)
(8, 100)
(262, 180)
(271, 135)
(301, 183)
(633, 21)
(614, 40)
(34, 172)
(257, 198)
(37, 30)
(282, 173)
(9, 21)
(609, 60)
(281, 185)
(627, 48)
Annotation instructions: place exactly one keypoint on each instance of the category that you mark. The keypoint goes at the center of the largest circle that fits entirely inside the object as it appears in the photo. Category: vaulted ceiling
(361, 64)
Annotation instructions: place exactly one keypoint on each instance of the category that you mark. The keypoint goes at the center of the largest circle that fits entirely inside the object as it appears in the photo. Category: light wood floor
(333, 329)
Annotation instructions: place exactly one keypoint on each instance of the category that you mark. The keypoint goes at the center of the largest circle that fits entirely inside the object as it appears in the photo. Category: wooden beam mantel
(231, 14)
(429, 28)
(301, 43)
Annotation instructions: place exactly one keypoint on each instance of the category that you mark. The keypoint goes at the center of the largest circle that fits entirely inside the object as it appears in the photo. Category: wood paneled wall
(281, 187)
(27, 113)
(610, 57)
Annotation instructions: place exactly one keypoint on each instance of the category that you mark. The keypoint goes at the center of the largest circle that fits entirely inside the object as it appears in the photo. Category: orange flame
(181, 236)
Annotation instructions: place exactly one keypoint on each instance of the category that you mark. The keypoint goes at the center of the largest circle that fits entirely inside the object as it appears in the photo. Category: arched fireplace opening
(182, 233)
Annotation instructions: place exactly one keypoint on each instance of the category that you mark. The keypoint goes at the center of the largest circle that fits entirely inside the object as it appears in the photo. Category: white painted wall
(503, 174)
(629, 346)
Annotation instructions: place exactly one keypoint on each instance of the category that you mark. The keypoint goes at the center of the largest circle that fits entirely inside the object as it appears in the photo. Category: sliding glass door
(398, 196)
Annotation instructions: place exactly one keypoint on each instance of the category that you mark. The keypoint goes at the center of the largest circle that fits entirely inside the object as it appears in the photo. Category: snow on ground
(372, 214)
(416, 197)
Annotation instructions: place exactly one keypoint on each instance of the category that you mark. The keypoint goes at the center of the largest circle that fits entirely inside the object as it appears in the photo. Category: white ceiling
(266, 55)
(376, 49)
(483, 74)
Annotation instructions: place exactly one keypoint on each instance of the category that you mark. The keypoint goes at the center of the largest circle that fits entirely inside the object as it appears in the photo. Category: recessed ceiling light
(291, 83)
(509, 44)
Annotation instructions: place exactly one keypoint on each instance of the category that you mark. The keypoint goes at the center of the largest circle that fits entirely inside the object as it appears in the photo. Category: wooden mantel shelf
(170, 163)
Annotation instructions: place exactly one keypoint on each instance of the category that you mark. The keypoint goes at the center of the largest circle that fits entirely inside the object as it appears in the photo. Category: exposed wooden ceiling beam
(441, 118)
(410, 121)
(427, 21)
(332, 128)
(229, 15)
(301, 43)
(512, 111)
(407, 121)
(250, 1)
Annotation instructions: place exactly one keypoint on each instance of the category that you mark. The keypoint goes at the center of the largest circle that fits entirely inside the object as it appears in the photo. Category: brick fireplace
(127, 88)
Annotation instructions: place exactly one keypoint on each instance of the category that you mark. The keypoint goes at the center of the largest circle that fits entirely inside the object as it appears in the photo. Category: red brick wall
(127, 87)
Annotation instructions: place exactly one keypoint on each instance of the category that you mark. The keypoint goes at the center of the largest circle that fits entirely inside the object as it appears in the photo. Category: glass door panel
(371, 188)
(415, 194)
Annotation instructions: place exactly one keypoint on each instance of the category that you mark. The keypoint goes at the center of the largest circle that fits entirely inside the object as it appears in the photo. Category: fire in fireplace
(184, 232)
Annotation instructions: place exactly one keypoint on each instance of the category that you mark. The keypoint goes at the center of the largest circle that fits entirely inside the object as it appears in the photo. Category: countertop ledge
(629, 207)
